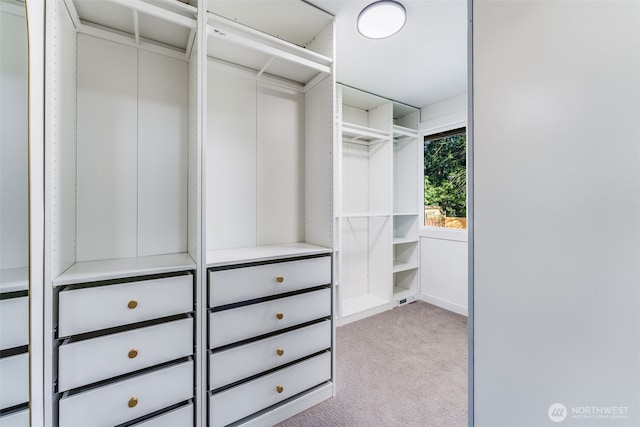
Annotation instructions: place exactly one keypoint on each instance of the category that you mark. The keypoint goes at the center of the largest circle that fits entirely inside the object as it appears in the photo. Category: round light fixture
(381, 19)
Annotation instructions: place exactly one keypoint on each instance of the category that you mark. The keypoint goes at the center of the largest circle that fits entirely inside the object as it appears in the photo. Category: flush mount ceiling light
(381, 19)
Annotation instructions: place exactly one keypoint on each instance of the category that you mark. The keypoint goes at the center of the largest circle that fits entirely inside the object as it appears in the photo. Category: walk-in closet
(204, 203)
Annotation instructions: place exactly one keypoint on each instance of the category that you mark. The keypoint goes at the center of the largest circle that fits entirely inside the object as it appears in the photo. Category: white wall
(556, 212)
(444, 253)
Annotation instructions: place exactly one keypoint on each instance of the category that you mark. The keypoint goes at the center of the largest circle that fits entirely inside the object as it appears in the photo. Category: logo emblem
(557, 412)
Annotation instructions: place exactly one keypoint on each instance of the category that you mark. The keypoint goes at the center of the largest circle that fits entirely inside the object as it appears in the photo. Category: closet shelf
(234, 43)
(399, 266)
(261, 253)
(363, 135)
(405, 213)
(402, 240)
(399, 131)
(93, 271)
(164, 25)
(362, 303)
(14, 279)
(364, 214)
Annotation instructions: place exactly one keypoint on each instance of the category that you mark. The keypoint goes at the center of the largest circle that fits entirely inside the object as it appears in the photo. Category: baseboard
(447, 305)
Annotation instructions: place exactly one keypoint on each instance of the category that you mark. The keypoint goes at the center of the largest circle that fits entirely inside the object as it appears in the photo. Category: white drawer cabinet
(128, 399)
(243, 400)
(234, 364)
(87, 361)
(15, 419)
(14, 380)
(229, 326)
(180, 417)
(241, 284)
(14, 322)
(89, 309)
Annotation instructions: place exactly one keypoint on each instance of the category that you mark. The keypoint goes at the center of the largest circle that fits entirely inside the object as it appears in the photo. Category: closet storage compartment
(378, 203)
(121, 209)
(271, 346)
(269, 209)
(14, 216)
(116, 368)
(407, 202)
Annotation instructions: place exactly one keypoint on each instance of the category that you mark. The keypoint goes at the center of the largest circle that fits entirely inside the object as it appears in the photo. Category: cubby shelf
(379, 203)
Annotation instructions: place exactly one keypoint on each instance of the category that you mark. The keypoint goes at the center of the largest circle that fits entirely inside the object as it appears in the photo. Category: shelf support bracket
(136, 26)
(262, 70)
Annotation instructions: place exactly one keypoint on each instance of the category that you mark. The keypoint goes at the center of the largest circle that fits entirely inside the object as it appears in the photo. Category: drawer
(14, 380)
(228, 366)
(85, 362)
(15, 419)
(128, 399)
(91, 309)
(241, 284)
(229, 326)
(14, 322)
(243, 400)
(181, 417)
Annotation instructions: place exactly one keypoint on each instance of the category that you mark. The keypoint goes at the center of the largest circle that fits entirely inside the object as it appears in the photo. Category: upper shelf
(170, 24)
(268, 55)
(363, 135)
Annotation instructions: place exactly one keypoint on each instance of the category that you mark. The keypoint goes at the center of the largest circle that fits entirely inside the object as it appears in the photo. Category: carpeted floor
(404, 367)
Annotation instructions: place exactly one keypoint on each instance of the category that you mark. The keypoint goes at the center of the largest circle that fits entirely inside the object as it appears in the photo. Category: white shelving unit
(120, 207)
(268, 175)
(378, 204)
(14, 217)
(407, 202)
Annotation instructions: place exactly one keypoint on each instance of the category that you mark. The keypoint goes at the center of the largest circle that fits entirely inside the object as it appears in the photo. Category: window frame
(443, 233)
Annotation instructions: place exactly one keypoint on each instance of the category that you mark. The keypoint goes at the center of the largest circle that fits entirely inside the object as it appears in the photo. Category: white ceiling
(424, 63)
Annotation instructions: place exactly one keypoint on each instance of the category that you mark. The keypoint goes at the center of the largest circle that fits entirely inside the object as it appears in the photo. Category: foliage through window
(445, 179)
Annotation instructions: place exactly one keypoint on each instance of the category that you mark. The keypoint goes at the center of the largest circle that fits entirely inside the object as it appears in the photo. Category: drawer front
(91, 309)
(128, 399)
(14, 380)
(14, 322)
(15, 419)
(229, 326)
(228, 366)
(241, 401)
(85, 362)
(241, 284)
(181, 417)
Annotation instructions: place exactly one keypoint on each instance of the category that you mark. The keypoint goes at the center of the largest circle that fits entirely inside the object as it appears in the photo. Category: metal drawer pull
(280, 352)
(133, 402)
(280, 279)
(132, 304)
(279, 389)
(279, 316)
(133, 353)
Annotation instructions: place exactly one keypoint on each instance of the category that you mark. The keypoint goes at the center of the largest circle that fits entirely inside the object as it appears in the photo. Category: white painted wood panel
(89, 309)
(228, 326)
(319, 170)
(14, 383)
(14, 322)
(231, 161)
(13, 141)
(109, 405)
(240, 284)
(162, 154)
(183, 416)
(15, 419)
(243, 400)
(280, 165)
(107, 150)
(88, 361)
(228, 366)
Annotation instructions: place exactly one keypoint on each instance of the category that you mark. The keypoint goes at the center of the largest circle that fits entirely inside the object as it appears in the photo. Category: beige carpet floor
(404, 367)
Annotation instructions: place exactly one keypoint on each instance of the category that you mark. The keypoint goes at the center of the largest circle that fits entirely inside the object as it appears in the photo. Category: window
(445, 179)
